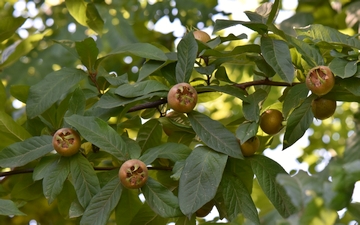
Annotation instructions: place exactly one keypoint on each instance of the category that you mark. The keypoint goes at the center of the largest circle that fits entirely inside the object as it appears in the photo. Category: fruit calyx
(135, 175)
(320, 80)
(65, 139)
(185, 95)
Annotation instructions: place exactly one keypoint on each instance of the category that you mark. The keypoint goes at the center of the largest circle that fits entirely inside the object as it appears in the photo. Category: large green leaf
(256, 26)
(246, 130)
(141, 88)
(84, 179)
(277, 54)
(99, 133)
(228, 89)
(343, 68)
(51, 89)
(143, 50)
(200, 178)
(172, 151)
(86, 14)
(150, 67)
(19, 49)
(298, 122)
(266, 171)
(150, 134)
(26, 189)
(102, 204)
(187, 52)
(323, 33)
(77, 103)
(88, 52)
(21, 153)
(251, 109)
(8, 208)
(295, 96)
(43, 166)
(308, 52)
(10, 131)
(237, 199)
(128, 206)
(161, 199)
(55, 178)
(297, 186)
(9, 25)
(215, 135)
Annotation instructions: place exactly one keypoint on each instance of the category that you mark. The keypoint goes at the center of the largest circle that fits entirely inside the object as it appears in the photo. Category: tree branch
(243, 86)
(31, 170)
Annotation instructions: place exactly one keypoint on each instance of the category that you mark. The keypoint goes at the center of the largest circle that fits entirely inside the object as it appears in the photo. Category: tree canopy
(100, 69)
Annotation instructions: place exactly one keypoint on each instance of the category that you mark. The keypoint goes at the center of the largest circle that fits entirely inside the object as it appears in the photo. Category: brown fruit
(133, 174)
(201, 36)
(323, 108)
(271, 121)
(182, 98)
(66, 141)
(320, 80)
(249, 147)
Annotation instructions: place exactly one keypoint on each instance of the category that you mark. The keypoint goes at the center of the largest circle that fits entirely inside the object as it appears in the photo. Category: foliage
(109, 80)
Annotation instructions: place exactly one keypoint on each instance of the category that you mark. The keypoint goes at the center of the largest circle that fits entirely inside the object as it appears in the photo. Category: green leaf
(84, 179)
(246, 130)
(94, 20)
(143, 50)
(8, 208)
(173, 151)
(298, 122)
(77, 103)
(296, 95)
(68, 45)
(88, 52)
(86, 14)
(222, 24)
(26, 189)
(21, 153)
(187, 52)
(51, 89)
(319, 32)
(237, 199)
(9, 25)
(354, 210)
(308, 52)
(251, 109)
(160, 199)
(200, 178)
(128, 206)
(228, 89)
(215, 135)
(266, 171)
(141, 88)
(277, 54)
(20, 92)
(99, 133)
(42, 167)
(343, 68)
(150, 67)
(150, 134)
(102, 204)
(10, 131)
(19, 49)
(297, 186)
(55, 178)
(274, 12)
(66, 197)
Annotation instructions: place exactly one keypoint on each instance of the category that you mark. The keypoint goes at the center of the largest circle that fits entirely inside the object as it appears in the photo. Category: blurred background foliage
(48, 22)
